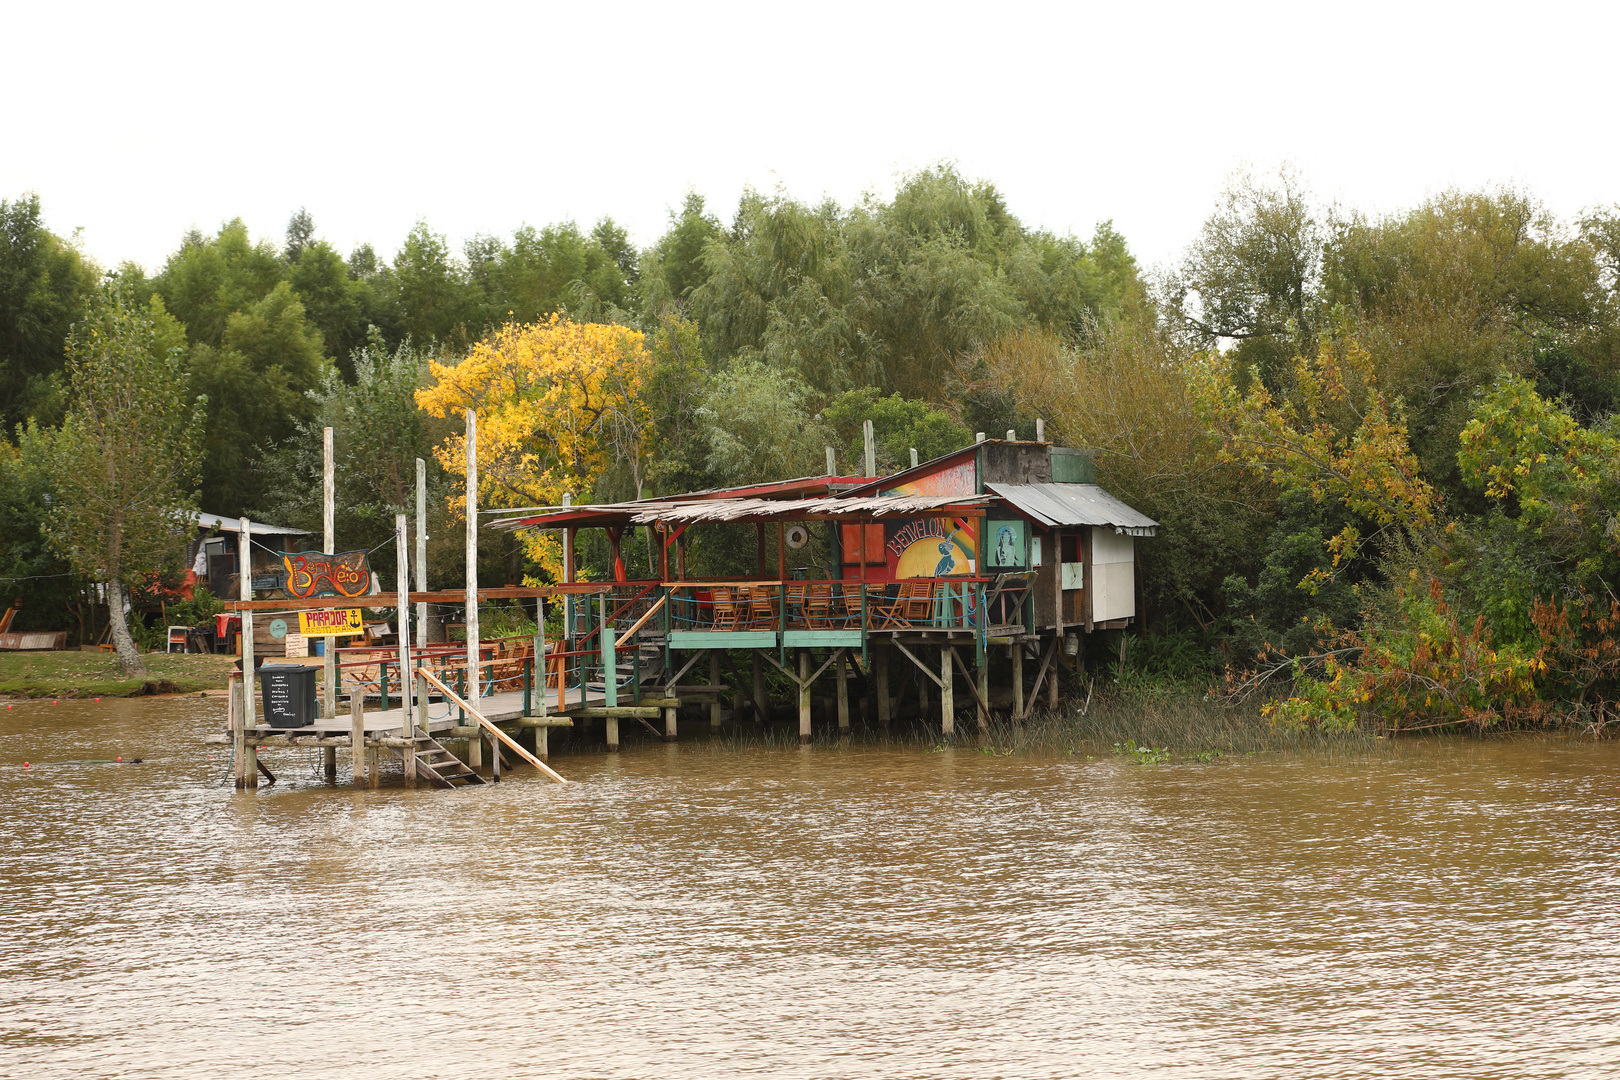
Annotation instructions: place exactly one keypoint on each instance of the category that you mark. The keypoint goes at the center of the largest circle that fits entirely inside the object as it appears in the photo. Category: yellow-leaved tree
(560, 404)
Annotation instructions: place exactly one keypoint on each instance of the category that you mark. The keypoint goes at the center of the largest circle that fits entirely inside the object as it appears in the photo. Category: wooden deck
(442, 716)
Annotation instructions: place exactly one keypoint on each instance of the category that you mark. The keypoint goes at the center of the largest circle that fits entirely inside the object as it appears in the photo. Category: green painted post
(382, 682)
(528, 684)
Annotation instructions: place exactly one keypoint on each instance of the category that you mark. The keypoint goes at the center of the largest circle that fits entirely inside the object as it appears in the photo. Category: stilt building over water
(1004, 547)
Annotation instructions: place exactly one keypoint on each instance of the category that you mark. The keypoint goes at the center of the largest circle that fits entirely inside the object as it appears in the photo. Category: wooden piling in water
(804, 697)
(1017, 650)
(1052, 675)
(947, 699)
(880, 663)
(843, 693)
(357, 735)
(714, 680)
(982, 701)
(762, 709)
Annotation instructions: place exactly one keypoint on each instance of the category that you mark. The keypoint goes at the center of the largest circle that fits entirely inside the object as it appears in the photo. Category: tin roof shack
(213, 555)
(1002, 544)
(1047, 520)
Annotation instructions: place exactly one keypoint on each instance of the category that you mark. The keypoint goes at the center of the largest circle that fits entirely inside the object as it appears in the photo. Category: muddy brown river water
(1425, 911)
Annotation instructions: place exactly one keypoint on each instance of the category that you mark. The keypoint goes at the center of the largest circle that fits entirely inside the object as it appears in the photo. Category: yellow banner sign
(345, 623)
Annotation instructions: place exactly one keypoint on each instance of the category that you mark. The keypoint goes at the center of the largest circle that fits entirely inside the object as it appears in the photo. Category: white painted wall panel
(1113, 575)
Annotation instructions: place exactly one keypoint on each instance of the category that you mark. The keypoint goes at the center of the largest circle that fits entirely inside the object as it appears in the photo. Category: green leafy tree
(208, 280)
(123, 465)
(31, 571)
(894, 294)
(43, 283)
(673, 267)
(377, 434)
(760, 426)
(899, 425)
(1252, 277)
(431, 291)
(338, 303)
(255, 380)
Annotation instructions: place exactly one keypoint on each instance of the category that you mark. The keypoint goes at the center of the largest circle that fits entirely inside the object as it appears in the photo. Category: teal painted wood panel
(722, 639)
(804, 638)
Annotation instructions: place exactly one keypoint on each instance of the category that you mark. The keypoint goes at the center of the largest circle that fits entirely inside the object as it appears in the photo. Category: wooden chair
(916, 603)
(883, 609)
(762, 610)
(725, 610)
(797, 613)
(818, 607)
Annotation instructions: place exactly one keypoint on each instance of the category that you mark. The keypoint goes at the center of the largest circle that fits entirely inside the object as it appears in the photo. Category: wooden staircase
(440, 767)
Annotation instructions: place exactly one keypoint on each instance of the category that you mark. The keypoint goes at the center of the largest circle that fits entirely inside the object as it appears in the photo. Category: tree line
(1383, 448)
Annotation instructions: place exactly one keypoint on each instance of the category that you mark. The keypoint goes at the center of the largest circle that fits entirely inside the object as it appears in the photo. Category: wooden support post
(804, 697)
(982, 703)
(494, 759)
(611, 724)
(244, 561)
(884, 702)
(843, 693)
(542, 741)
(357, 736)
(329, 529)
(1017, 651)
(1051, 676)
(947, 697)
(714, 680)
(670, 732)
(250, 752)
(407, 684)
(762, 708)
(233, 685)
(330, 764)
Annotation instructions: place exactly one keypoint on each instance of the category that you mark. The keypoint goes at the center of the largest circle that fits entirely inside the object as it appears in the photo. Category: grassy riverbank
(1152, 725)
(98, 674)
(1159, 725)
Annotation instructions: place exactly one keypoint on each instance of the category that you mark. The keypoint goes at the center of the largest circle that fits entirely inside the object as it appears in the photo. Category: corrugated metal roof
(1075, 504)
(257, 528)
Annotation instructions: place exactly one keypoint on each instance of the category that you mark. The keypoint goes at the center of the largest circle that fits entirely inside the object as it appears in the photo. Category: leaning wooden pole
(329, 546)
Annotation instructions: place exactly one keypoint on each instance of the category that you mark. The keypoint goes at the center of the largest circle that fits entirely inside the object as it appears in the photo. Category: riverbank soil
(73, 674)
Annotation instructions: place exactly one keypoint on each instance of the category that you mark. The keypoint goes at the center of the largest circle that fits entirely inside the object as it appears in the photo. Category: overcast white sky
(137, 122)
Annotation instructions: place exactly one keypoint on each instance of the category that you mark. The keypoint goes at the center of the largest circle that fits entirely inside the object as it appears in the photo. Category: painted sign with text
(345, 623)
(315, 573)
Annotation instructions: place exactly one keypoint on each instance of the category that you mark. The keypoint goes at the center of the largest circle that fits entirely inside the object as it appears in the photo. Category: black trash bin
(289, 694)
